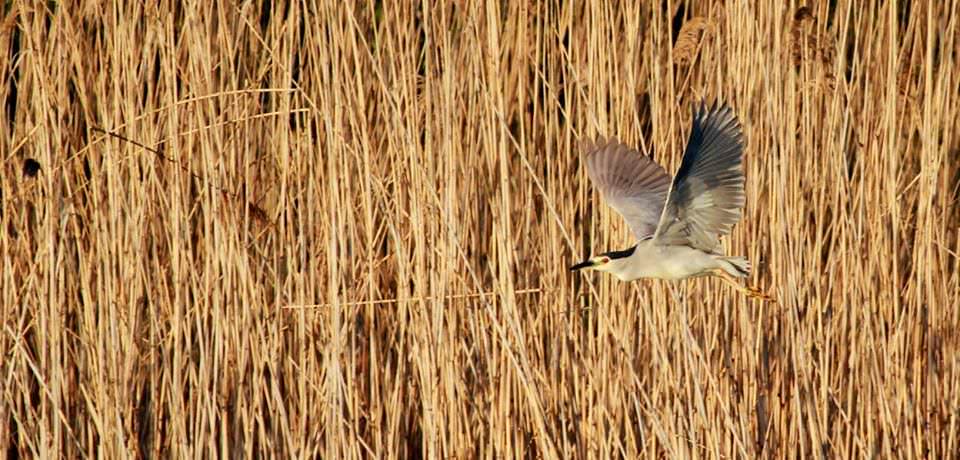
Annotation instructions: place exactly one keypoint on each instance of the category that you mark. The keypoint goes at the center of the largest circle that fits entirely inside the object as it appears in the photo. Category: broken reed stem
(411, 299)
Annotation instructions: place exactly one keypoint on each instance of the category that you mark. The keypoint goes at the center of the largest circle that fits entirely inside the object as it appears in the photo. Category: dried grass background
(346, 231)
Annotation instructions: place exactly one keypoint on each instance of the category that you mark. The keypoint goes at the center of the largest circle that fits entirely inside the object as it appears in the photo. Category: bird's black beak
(584, 264)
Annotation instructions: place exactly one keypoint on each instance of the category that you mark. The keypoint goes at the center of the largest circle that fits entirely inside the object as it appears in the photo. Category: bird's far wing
(707, 196)
(631, 183)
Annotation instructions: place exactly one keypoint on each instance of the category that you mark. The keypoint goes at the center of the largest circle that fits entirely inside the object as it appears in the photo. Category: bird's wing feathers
(632, 183)
(707, 195)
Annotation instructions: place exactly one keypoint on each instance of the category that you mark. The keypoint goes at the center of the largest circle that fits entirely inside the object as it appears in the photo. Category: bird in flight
(677, 224)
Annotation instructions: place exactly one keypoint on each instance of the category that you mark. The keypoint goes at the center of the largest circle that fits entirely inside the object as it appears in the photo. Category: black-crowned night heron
(677, 232)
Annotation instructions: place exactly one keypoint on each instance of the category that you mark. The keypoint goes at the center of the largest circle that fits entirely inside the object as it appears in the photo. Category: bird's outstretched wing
(707, 195)
(632, 183)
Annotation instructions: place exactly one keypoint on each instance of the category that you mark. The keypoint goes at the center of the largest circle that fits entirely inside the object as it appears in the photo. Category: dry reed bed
(388, 162)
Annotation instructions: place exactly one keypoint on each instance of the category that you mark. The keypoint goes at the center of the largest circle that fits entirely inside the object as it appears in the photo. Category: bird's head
(601, 263)
(606, 262)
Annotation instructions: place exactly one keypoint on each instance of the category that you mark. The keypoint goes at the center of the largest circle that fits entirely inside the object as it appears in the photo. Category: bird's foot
(757, 293)
(751, 292)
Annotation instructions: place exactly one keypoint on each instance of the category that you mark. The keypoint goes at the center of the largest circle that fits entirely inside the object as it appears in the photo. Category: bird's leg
(751, 292)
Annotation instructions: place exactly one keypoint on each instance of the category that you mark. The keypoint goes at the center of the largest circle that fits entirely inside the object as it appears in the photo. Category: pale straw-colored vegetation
(346, 228)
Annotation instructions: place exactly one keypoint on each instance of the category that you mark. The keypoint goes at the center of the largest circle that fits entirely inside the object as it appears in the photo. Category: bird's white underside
(651, 260)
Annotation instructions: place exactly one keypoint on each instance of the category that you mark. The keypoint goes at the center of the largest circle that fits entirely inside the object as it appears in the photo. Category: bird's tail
(736, 266)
